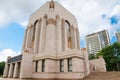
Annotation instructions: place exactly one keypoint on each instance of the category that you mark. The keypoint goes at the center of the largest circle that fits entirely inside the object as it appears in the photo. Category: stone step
(104, 79)
(103, 76)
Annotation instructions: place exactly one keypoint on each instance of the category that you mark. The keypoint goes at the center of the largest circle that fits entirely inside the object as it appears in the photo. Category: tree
(111, 54)
(92, 56)
(2, 65)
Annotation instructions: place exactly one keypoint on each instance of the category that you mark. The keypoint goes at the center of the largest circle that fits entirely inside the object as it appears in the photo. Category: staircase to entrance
(103, 76)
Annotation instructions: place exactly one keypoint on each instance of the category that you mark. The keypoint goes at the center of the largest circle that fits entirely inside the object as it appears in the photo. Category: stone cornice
(62, 55)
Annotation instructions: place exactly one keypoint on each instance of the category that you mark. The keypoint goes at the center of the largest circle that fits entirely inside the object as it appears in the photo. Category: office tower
(96, 41)
(118, 36)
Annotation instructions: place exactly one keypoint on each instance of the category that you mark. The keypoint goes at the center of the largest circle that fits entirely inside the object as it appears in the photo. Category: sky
(91, 15)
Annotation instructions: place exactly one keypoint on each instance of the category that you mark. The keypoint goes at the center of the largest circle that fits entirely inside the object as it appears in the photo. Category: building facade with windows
(51, 48)
(118, 36)
(96, 41)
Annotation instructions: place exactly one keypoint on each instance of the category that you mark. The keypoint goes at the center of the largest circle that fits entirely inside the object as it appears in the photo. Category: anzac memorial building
(51, 47)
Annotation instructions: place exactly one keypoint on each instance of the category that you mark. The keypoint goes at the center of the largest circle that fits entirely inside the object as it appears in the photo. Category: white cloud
(88, 13)
(24, 24)
(115, 10)
(2, 17)
(17, 11)
(7, 52)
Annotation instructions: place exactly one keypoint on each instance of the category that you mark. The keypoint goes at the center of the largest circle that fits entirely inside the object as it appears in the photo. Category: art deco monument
(51, 48)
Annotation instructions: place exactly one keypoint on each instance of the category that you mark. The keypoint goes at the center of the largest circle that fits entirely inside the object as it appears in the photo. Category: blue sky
(11, 37)
(91, 15)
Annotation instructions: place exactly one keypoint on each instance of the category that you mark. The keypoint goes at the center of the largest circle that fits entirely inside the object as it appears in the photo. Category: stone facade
(51, 48)
(98, 65)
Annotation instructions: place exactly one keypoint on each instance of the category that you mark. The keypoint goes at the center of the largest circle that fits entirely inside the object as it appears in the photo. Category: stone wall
(98, 65)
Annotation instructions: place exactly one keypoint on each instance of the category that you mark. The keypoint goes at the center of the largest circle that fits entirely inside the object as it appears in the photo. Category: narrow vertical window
(36, 66)
(43, 65)
(70, 65)
(67, 25)
(61, 66)
(33, 36)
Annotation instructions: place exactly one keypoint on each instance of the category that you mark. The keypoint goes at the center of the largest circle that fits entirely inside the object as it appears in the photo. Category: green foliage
(92, 56)
(2, 65)
(111, 54)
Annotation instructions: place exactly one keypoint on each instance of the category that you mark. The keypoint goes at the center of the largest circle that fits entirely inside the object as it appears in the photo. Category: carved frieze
(51, 4)
(51, 21)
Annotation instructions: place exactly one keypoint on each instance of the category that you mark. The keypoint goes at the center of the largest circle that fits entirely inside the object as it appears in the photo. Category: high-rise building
(96, 41)
(51, 47)
(118, 36)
